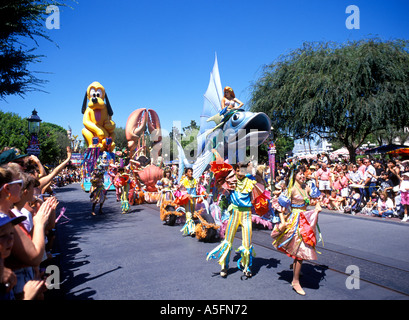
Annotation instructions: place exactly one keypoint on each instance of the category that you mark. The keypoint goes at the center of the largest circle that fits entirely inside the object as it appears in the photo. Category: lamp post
(34, 128)
(271, 160)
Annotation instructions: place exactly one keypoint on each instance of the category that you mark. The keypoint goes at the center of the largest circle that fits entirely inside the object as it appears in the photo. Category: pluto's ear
(84, 104)
(110, 112)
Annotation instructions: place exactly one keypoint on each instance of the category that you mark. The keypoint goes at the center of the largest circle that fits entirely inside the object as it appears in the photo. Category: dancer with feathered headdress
(239, 189)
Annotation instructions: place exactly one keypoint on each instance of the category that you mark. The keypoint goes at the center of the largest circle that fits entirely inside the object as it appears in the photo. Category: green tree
(284, 145)
(170, 144)
(190, 134)
(52, 138)
(120, 139)
(344, 91)
(390, 135)
(53, 143)
(13, 131)
(21, 20)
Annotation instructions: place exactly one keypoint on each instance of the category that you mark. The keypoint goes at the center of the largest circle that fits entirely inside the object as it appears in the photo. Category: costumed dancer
(124, 184)
(187, 199)
(240, 208)
(165, 186)
(136, 194)
(112, 172)
(97, 192)
(263, 204)
(296, 234)
(117, 184)
(133, 190)
(207, 228)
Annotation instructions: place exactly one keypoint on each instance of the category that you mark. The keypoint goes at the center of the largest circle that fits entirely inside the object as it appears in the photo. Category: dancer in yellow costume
(240, 208)
(187, 199)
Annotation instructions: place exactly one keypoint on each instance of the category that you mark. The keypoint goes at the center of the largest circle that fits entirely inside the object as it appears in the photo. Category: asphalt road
(136, 257)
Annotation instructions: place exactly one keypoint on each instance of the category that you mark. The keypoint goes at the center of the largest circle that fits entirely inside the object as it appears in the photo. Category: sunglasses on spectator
(21, 182)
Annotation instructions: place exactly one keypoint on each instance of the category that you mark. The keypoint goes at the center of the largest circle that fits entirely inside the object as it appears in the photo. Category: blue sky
(159, 54)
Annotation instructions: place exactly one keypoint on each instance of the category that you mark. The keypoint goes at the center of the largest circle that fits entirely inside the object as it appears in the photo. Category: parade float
(228, 135)
(144, 136)
(98, 133)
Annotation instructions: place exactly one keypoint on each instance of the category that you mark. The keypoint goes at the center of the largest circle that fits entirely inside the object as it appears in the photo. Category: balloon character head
(99, 127)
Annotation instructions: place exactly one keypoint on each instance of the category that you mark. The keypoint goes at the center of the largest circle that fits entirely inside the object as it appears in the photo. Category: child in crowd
(324, 200)
(334, 201)
(386, 184)
(370, 205)
(404, 194)
(353, 202)
(384, 206)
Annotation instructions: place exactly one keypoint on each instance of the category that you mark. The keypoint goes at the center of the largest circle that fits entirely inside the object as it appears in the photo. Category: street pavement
(134, 256)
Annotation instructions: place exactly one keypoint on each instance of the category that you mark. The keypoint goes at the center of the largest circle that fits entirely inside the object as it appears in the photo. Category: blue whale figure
(229, 133)
(236, 131)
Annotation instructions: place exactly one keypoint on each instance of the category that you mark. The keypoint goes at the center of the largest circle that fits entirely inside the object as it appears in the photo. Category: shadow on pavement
(69, 234)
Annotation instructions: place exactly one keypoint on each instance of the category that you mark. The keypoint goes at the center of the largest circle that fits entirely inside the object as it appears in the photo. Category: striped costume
(240, 214)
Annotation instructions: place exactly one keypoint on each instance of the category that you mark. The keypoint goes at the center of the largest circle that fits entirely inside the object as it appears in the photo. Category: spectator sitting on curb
(384, 206)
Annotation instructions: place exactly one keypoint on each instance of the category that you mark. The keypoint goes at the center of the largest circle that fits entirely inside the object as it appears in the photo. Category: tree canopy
(21, 20)
(347, 91)
(52, 138)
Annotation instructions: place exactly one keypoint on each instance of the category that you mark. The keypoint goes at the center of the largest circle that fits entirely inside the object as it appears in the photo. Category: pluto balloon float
(98, 132)
(99, 127)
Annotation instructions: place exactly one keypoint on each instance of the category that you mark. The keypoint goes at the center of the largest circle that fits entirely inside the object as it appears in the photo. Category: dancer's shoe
(297, 288)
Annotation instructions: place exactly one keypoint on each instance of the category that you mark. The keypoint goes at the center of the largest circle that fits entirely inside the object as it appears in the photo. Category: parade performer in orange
(296, 234)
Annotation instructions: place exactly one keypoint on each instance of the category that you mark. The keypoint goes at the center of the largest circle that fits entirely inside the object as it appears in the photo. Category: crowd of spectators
(27, 224)
(67, 176)
(375, 187)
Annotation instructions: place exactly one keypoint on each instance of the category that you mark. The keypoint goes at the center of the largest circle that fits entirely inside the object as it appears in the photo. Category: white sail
(211, 106)
(212, 98)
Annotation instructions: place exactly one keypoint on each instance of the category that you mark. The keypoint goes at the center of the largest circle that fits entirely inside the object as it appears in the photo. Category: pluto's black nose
(94, 100)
